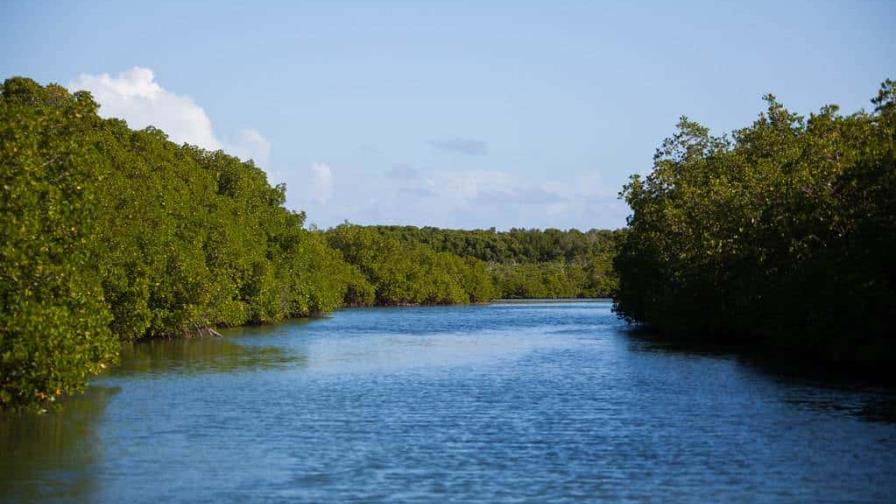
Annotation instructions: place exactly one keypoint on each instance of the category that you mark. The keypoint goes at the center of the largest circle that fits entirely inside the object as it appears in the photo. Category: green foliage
(527, 263)
(782, 233)
(192, 239)
(514, 246)
(53, 318)
(111, 234)
(403, 273)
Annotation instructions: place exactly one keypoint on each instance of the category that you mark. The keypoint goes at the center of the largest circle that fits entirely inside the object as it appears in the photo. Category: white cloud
(467, 185)
(399, 193)
(403, 171)
(453, 198)
(467, 146)
(321, 183)
(252, 145)
(488, 188)
(135, 96)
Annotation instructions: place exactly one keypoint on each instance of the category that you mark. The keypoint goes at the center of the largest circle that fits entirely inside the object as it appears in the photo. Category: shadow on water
(263, 330)
(818, 387)
(199, 355)
(52, 457)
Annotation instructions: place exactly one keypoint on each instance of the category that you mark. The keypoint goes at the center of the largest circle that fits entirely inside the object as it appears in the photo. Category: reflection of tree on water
(52, 457)
(803, 384)
(203, 355)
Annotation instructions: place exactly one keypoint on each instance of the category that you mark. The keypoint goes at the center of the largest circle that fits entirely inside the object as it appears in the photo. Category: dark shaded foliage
(782, 234)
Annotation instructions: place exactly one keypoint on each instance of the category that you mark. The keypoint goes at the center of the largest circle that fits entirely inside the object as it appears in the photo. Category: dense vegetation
(782, 234)
(111, 234)
(526, 263)
(403, 273)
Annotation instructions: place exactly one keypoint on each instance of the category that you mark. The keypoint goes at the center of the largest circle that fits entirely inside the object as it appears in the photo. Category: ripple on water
(510, 402)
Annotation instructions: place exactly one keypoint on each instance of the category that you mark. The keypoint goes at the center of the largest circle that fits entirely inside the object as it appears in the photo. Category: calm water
(514, 403)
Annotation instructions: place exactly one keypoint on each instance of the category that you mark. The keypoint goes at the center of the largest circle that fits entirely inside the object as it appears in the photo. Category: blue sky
(454, 114)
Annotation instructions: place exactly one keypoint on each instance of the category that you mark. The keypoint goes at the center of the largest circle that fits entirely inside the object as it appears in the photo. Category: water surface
(507, 402)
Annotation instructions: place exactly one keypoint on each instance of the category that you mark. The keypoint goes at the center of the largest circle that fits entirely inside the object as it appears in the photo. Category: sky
(452, 114)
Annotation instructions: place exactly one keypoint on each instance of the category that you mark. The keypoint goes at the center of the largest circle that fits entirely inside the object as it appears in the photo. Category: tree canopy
(527, 263)
(782, 233)
(111, 234)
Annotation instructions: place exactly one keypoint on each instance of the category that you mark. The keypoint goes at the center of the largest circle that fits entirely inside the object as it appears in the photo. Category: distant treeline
(525, 263)
(783, 234)
(109, 234)
(396, 273)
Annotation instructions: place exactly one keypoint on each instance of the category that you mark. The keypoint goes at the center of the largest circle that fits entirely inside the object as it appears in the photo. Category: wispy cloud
(417, 192)
(252, 145)
(455, 198)
(466, 146)
(524, 195)
(402, 193)
(321, 183)
(403, 171)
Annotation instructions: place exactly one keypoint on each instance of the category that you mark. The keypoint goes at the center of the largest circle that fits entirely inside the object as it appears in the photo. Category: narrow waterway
(506, 402)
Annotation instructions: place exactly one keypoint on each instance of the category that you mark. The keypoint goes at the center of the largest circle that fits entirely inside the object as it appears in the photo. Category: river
(512, 402)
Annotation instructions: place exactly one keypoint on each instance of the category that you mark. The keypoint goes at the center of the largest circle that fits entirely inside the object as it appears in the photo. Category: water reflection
(396, 352)
(880, 410)
(196, 356)
(52, 457)
(805, 385)
(512, 403)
